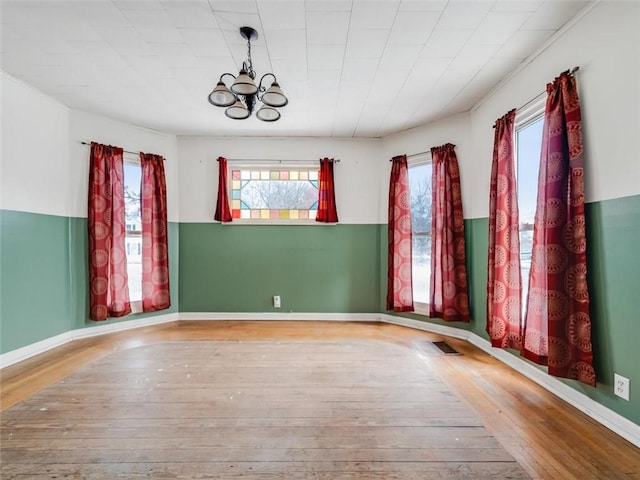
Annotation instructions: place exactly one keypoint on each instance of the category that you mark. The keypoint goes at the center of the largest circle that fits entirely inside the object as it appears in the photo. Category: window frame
(525, 117)
(271, 166)
(420, 308)
(133, 160)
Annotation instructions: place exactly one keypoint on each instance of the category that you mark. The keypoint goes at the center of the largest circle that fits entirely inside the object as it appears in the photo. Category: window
(420, 190)
(132, 176)
(274, 194)
(528, 148)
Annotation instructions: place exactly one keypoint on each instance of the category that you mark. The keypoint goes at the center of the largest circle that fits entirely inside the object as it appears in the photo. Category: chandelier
(240, 99)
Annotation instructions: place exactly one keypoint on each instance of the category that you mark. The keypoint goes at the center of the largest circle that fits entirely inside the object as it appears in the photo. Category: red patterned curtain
(155, 251)
(449, 299)
(326, 194)
(504, 285)
(108, 280)
(223, 213)
(557, 328)
(399, 279)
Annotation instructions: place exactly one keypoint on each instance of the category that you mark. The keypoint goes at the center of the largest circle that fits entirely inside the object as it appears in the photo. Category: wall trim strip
(285, 316)
(610, 419)
(33, 349)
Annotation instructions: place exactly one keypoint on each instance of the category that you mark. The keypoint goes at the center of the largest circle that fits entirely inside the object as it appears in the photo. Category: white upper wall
(35, 151)
(453, 130)
(605, 44)
(357, 176)
(45, 168)
(86, 127)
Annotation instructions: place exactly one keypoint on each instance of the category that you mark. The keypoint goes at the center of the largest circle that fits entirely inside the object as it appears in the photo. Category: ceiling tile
(287, 15)
(445, 43)
(190, 14)
(343, 64)
(462, 15)
(325, 56)
(422, 5)
(523, 43)
(327, 80)
(328, 27)
(472, 57)
(498, 27)
(398, 57)
(232, 6)
(148, 18)
(328, 5)
(373, 15)
(359, 69)
(126, 41)
(149, 5)
(230, 23)
(289, 70)
(286, 44)
(205, 42)
(160, 34)
(516, 6)
(366, 43)
(101, 13)
(552, 15)
(413, 27)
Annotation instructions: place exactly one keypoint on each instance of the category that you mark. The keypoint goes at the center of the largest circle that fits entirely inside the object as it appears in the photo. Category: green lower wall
(314, 268)
(43, 277)
(613, 243)
(340, 268)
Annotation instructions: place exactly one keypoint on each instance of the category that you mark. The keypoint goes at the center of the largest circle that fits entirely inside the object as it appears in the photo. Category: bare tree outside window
(132, 204)
(420, 191)
(133, 222)
(276, 194)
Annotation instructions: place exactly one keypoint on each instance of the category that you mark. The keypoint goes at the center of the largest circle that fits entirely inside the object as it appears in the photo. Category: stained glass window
(274, 194)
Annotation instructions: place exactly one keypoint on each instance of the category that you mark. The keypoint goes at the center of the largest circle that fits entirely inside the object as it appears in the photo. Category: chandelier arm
(225, 74)
(261, 88)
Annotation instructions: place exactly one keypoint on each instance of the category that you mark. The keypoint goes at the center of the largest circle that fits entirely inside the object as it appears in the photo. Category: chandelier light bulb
(274, 96)
(237, 111)
(268, 114)
(220, 96)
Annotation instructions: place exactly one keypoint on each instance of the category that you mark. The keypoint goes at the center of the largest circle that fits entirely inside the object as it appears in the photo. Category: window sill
(276, 222)
(136, 306)
(421, 308)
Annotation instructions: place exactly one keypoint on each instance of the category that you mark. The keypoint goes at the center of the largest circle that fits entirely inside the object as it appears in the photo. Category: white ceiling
(350, 68)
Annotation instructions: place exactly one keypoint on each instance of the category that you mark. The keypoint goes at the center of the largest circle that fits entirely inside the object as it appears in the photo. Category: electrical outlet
(621, 386)
(276, 301)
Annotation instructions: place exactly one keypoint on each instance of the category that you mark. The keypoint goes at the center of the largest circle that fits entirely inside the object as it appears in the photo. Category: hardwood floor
(502, 415)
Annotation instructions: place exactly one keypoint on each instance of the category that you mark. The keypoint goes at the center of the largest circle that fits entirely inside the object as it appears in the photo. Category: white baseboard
(33, 349)
(601, 414)
(615, 422)
(291, 316)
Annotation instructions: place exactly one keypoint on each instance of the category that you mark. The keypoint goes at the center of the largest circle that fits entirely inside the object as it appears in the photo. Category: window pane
(274, 194)
(529, 145)
(420, 189)
(421, 267)
(132, 174)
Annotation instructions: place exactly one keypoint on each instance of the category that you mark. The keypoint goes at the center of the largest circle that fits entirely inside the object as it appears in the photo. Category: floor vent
(445, 348)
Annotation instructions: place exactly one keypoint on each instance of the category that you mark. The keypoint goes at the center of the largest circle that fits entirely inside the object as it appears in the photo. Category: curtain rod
(419, 154)
(569, 72)
(271, 160)
(125, 151)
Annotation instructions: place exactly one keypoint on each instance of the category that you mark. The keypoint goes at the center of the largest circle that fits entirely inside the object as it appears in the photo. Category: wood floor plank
(307, 400)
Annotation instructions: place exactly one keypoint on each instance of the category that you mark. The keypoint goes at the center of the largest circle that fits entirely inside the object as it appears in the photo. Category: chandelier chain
(249, 62)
